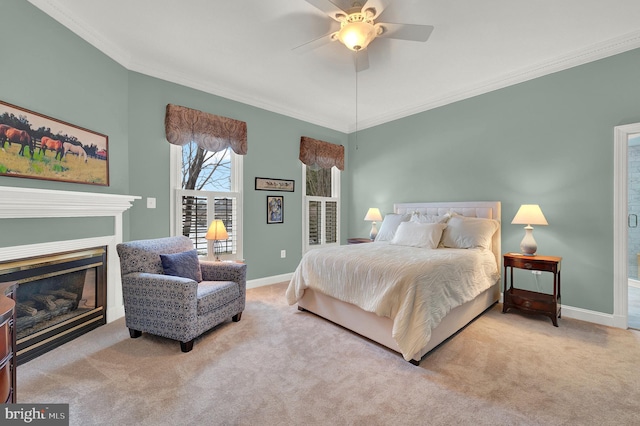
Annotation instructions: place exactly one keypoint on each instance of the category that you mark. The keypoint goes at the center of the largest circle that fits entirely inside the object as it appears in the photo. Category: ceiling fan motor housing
(357, 31)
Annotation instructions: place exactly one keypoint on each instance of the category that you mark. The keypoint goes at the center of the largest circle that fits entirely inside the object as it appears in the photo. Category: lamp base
(374, 231)
(528, 245)
(212, 252)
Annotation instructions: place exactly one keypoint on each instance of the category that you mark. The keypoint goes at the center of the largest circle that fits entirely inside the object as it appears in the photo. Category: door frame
(620, 206)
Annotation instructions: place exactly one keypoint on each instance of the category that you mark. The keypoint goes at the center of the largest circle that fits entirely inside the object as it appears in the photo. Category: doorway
(633, 230)
(622, 221)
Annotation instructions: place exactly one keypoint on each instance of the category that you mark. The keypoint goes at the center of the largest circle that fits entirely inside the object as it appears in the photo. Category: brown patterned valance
(322, 154)
(212, 132)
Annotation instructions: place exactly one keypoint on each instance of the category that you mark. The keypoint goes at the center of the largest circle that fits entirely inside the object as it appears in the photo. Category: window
(321, 207)
(208, 186)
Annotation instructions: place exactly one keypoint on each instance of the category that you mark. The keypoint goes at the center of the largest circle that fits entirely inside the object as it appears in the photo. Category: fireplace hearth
(58, 298)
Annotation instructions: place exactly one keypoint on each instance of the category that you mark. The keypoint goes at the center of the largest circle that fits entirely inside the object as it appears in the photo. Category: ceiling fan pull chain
(356, 73)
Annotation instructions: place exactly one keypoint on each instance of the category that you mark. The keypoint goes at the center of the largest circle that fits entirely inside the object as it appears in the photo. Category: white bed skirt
(379, 328)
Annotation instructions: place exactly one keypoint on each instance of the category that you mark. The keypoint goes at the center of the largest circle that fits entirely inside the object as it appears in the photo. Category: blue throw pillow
(183, 264)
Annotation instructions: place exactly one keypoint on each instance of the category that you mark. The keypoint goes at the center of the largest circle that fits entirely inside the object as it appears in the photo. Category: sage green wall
(548, 141)
(48, 69)
(273, 142)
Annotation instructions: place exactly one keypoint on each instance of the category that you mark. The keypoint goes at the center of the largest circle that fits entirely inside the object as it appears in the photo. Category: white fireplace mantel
(29, 203)
(45, 203)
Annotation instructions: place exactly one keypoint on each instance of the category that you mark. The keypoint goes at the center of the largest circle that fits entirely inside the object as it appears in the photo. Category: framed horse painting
(36, 146)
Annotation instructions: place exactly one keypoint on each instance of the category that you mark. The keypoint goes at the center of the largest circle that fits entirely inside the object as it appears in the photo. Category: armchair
(176, 307)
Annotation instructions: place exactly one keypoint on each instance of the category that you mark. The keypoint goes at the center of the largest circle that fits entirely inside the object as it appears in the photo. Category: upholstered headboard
(484, 209)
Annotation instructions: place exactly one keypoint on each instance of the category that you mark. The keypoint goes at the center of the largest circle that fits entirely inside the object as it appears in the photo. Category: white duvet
(415, 287)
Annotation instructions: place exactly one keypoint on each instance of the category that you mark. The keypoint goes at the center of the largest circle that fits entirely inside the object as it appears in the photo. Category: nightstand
(527, 301)
(359, 240)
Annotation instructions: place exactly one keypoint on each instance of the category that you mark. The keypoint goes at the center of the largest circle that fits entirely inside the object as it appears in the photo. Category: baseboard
(592, 316)
(260, 282)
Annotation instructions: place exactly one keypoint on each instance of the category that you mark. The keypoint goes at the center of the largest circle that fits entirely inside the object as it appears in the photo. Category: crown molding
(237, 96)
(592, 53)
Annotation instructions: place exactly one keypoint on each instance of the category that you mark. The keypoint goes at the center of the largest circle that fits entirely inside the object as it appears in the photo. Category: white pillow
(469, 232)
(430, 218)
(416, 234)
(389, 225)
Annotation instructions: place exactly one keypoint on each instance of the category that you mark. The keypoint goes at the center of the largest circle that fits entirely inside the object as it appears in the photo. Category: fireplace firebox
(58, 298)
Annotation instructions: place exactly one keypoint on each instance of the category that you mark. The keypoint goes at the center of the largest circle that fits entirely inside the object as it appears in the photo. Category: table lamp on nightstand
(374, 215)
(216, 232)
(529, 214)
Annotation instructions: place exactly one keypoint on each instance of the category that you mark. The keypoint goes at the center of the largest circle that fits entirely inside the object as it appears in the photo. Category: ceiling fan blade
(328, 7)
(361, 60)
(314, 44)
(377, 6)
(406, 31)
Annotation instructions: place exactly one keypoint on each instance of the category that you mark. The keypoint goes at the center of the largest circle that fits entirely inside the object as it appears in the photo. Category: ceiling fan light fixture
(357, 32)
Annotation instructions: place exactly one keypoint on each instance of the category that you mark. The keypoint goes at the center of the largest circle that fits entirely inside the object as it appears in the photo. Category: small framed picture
(268, 184)
(275, 209)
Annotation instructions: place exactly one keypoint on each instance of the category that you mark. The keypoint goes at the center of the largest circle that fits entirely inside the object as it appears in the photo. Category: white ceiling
(242, 50)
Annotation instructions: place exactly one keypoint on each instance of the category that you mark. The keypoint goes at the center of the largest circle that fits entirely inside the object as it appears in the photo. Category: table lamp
(374, 215)
(529, 214)
(216, 232)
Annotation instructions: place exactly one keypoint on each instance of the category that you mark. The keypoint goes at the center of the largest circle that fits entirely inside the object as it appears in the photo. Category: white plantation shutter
(321, 208)
(199, 208)
(331, 221)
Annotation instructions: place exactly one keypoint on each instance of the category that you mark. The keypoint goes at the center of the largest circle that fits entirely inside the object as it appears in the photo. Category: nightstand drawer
(534, 264)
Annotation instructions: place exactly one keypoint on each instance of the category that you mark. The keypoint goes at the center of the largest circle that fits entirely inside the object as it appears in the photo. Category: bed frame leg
(301, 308)
(414, 362)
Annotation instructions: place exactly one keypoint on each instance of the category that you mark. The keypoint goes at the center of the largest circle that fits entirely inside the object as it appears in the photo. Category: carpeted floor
(279, 366)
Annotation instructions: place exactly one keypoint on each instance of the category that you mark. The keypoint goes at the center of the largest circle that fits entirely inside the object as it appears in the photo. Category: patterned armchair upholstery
(175, 307)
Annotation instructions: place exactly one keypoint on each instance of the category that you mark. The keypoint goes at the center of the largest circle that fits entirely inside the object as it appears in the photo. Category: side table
(527, 301)
(359, 240)
(8, 360)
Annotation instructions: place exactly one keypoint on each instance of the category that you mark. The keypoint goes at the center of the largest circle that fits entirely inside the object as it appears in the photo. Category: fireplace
(58, 298)
(26, 203)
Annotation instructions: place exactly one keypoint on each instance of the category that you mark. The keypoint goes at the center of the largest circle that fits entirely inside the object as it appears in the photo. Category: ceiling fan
(358, 28)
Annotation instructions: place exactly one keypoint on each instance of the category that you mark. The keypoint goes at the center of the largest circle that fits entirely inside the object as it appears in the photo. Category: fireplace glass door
(58, 298)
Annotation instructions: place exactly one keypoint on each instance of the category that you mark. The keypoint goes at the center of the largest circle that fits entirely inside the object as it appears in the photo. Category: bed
(350, 285)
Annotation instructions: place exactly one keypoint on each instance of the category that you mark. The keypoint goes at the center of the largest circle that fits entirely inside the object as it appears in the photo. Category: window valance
(314, 152)
(209, 131)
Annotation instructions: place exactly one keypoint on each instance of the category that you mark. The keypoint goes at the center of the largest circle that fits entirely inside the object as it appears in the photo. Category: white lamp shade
(373, 214)
(217, 231)
(529, 214)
